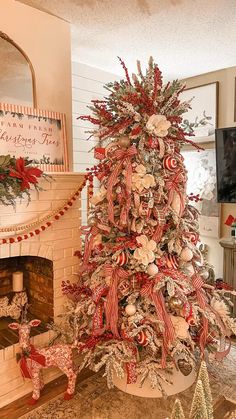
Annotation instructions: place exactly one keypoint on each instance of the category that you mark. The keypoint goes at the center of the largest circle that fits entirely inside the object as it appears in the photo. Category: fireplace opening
(37, 275)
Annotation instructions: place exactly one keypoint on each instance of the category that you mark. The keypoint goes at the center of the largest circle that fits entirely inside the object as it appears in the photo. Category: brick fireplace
(46, 260)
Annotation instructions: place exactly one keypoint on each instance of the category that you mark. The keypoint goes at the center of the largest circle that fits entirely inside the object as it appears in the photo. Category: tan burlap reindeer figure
(33, 360)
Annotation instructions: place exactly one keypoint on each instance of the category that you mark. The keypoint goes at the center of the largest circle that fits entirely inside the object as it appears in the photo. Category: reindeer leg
(71, 375)
(36, 387)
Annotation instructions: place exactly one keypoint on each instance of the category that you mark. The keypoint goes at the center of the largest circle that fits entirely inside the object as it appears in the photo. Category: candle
(17, 281)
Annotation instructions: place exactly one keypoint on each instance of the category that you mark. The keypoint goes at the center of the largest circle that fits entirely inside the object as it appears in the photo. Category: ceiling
(185, 37)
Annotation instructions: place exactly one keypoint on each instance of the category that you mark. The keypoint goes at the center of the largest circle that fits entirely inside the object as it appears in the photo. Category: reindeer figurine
(33, 360)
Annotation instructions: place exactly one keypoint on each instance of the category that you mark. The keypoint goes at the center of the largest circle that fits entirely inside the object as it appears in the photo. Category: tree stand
(180, 383)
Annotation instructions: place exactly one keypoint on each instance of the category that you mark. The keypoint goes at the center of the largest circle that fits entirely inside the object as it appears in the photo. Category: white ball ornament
(152, 269)
(186, 255)
(130, 309)
(189, 269)
(204, 274)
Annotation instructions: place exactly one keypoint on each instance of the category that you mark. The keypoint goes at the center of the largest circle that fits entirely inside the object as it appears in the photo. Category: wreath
(17, 175)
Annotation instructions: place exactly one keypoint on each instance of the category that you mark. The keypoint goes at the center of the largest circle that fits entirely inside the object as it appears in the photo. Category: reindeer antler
(24, 313)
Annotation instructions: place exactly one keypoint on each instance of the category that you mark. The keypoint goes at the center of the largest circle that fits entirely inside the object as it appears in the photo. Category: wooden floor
(20, 407)
(222, 407)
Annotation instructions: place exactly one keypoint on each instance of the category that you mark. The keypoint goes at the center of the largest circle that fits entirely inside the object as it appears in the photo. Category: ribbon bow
(111, 307)
(121, 156)
(33, 355)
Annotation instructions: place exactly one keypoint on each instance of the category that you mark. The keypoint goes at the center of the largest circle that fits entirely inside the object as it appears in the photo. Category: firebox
(38, 285)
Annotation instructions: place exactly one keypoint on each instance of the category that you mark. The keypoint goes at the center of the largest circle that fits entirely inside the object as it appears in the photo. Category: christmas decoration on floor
(202, 403)
(141, 307)
(32, 360)
(16, 178)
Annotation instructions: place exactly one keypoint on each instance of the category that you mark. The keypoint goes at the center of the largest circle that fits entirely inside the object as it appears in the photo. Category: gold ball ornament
(124, 142)
(152, 269)
(186, 254)
(130, 309)
(175, 303)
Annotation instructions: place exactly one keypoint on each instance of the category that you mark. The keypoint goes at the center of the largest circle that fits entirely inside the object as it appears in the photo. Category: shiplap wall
(87, 84)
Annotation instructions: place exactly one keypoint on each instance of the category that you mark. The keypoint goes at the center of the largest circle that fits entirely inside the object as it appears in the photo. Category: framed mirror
(17, 78)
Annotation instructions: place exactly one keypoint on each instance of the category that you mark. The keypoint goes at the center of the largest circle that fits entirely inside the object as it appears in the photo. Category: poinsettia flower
(145, 253)
(27, 175)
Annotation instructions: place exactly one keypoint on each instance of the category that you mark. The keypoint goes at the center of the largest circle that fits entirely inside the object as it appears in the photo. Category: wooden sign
(36, 134)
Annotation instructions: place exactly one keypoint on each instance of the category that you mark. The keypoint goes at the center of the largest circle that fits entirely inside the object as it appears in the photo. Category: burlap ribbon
(121, 156)
(111, 306)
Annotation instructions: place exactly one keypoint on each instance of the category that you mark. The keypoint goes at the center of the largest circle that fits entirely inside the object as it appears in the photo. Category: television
(226, 164)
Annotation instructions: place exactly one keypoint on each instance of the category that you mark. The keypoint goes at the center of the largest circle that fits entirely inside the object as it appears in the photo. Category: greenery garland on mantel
(17, 175)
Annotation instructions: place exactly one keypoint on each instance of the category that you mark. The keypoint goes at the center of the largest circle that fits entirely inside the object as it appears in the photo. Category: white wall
(87, 84)
(47, 42)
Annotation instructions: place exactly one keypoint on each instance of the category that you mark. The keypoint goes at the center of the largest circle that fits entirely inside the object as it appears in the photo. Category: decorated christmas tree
(199, 408)
(177, 412)
(141, 304)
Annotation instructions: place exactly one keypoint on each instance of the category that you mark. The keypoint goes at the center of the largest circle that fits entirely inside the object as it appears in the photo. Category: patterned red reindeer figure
(33, 360)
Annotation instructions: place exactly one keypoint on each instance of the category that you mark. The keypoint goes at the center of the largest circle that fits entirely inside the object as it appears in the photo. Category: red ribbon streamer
(172, 185)
(122, 156)
(88, 231)
(201, 297)
(162, 315)
(111, 307)
(26, 367)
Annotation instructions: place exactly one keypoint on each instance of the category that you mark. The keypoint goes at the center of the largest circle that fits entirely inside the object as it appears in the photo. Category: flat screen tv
(226, 164)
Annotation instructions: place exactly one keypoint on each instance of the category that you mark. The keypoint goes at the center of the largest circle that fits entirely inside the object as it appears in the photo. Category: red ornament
(122, 259)
(170, 163)
(142, 338)
(194, 237)
(172, 262)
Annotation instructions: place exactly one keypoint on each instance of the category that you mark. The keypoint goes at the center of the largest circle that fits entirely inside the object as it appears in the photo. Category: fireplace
(38, 285)
(45, 260)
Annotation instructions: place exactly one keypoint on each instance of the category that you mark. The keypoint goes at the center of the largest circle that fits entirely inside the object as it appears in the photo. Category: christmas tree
(203, 376)
(141, 304)
(177, 412)
(199, 408)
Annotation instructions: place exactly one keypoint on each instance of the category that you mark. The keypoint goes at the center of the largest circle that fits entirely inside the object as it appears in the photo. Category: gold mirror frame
(8, 39)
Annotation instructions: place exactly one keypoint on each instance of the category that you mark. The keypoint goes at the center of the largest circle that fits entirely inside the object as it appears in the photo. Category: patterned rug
(93, 400)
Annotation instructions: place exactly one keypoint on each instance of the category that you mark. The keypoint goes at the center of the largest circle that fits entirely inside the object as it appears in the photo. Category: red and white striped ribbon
(120, 156)
(111, 306)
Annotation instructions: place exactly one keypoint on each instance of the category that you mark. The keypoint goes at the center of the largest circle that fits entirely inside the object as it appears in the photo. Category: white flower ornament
(145, 254)
(158, 125)
(142, 180)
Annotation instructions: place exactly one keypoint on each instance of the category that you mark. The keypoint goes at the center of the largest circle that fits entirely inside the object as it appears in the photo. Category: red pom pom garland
(55, 216)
